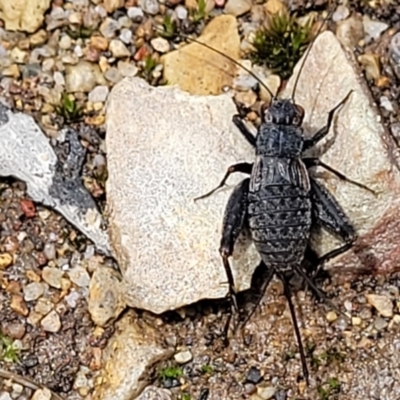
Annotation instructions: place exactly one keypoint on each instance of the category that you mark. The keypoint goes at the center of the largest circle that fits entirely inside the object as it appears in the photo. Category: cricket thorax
(279, 141)
(270, 172)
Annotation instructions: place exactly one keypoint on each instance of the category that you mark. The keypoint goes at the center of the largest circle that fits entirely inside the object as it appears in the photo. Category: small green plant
(170, 373)
(331, 387)
(207, 369)
(169, 27)
(8, 352)
(148, 67)
(185, 396)
(68, 108)
(281, 42)
(200, 12)
(333, 355)
(288, 355)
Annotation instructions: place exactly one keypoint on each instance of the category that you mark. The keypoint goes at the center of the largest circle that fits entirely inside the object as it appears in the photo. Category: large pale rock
(23, 15)
(26, 154)
(133, 350)
(357, 146)
(164, 148)
(199, 70)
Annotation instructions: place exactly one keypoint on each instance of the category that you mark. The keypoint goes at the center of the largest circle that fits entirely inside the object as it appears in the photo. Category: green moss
(330, 388)
(8, 352)
(149, 64)
(200, 12)
(207, 369)
(168, 27)
(170, 373)
(281, 43)
(69, 108)
(185, 396)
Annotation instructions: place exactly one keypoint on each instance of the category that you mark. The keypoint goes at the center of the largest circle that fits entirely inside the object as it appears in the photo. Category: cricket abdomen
(279, 212)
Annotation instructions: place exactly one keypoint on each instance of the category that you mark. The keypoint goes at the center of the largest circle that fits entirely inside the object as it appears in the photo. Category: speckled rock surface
(359, 147)
(23, 15)
(199, 70)
(129, 355)
(165, 148)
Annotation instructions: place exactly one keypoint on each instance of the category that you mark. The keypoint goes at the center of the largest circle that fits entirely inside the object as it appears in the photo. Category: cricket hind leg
(288, 296)
(328, 213)
(234, 219)
(267, 275)
(324, 130)
(243, 167)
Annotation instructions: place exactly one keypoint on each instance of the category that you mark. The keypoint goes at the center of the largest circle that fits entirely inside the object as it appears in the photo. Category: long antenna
(221, 53)
(308, 52)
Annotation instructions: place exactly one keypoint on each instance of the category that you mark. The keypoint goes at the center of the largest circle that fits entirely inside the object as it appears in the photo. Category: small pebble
(52, 276)
(127, 69)
(126, 36)
(113, 75)
(181, 12)
(99, 94)
(356, 321)
(341, 13)
(79, 276)
(382, 304)
(396, 318)
(149, 6)
(5, 396)
(99, 43)
(373, 29)
(395, 129)
(50, 250)
(108, 28)
(17, 389)
(42, 394)
(65, 42)
(135, 13)
(371, 64)
(51, 322)
(32, 291)
(160, 44)
(15, 330)
(266, 392)
(118, 49)
(43, 306)
(380, 323)
(386, 104)
(72, 298)
(331, 316)
(183, 357)
(18, 305)
(253, 375)
(237, 7)
(5, 260)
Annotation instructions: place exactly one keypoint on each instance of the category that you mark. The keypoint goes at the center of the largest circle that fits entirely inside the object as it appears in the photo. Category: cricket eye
(265, 112)
(300, 114)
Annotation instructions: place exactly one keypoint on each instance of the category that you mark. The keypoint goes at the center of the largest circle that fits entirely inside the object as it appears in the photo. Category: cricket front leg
(330, 215)
(243, 167)
(234, 219)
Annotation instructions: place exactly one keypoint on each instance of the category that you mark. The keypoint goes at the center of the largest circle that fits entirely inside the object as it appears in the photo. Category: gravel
(45, 264)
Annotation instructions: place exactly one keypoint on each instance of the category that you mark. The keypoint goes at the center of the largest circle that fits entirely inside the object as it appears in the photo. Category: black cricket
(280, 201)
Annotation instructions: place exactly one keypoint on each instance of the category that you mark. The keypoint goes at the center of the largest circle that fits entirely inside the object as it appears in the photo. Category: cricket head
(283, 112)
